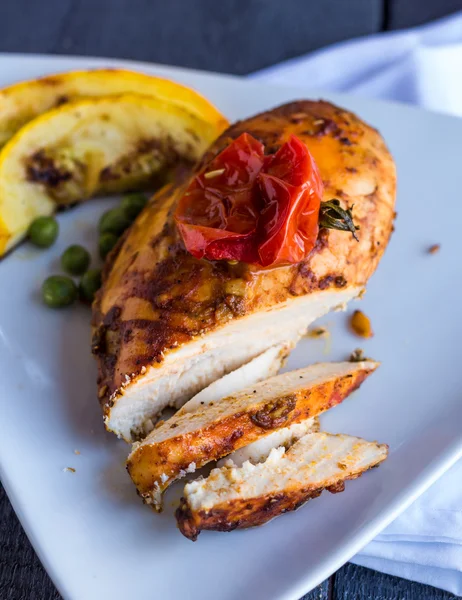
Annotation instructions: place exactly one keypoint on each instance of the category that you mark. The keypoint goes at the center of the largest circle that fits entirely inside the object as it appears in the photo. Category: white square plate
(89, 528)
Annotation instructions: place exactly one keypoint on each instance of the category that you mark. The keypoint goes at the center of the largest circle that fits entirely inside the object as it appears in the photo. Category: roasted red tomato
(291, 187)
(253, 208)
(217, 217)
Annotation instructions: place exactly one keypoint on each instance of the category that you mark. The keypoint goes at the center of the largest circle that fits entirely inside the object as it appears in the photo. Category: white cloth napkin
(420, 66)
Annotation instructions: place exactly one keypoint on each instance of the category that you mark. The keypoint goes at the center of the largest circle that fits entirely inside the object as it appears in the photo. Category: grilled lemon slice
(88, 147)
(22, 102)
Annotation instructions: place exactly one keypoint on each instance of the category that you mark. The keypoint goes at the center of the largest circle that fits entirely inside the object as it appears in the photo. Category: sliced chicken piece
(196, 365)
(264, 366)
(167, 324)
(190, 440)
(259, 451)
(239, 497)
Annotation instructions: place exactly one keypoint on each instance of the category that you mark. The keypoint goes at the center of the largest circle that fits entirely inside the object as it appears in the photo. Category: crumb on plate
(318, 332)
(361, 324)
(357, 355)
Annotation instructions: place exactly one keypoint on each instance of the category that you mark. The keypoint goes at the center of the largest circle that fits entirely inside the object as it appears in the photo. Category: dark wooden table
(22, 577)
(234, 36)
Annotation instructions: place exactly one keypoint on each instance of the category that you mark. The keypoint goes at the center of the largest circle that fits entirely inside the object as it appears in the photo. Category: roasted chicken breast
(167, 324)
(191, 439)
(237, 497)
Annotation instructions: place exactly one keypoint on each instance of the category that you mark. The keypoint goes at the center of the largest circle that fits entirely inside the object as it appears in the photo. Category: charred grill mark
(322, 242)
(340, 281)
(111, 320)
(41, 168)
(106, 349)
(128, 335)
(337, 281)
(145, 156)
(228, 444)
(150, 145)
(303, 279)
(185, 521)
(328, 127)
(274, 413)
(236, 304)
(271, 503)
(98, 341)
(60, 100)
(164, 291)
(336, 488)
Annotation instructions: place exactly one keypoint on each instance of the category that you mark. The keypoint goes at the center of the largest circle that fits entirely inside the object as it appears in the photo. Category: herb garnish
(333, 216)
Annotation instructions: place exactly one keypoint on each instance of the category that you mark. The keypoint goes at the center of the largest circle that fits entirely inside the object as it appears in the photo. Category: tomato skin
(253, 208)
(207, 218)
(219, 244)
(292, 188)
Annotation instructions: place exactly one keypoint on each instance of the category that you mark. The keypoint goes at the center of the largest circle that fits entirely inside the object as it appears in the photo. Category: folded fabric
(421, 66)
(425, 542)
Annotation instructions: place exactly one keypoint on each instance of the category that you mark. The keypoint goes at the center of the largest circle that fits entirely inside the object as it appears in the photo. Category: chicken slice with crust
(238, 497)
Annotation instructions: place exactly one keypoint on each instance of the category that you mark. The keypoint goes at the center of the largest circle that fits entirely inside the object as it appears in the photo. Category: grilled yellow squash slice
(22, 102)
(94, 146)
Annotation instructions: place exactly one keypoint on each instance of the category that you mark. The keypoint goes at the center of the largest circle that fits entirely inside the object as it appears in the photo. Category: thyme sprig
(333, 216)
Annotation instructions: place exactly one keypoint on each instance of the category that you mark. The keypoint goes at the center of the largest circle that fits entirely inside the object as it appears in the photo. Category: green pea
(43, 231)
(59, 291)
(90, 284)
(106, 243)
(75, 260)
(114, 221)
(133, 204)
